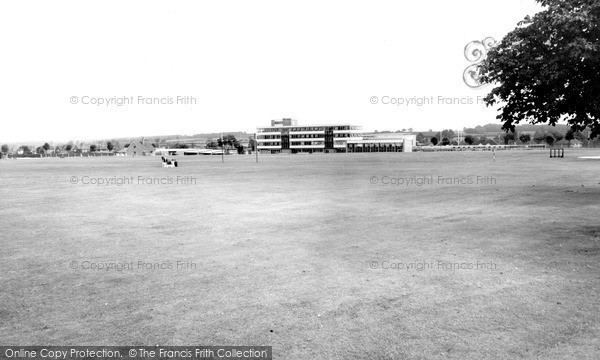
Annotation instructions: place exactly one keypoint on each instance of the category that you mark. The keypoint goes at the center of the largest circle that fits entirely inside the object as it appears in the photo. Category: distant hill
(200, 139)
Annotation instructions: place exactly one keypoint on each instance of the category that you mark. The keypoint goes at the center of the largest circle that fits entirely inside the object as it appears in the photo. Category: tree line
(540, 136)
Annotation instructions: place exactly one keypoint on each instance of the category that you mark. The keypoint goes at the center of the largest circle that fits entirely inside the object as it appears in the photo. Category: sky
(83, 70)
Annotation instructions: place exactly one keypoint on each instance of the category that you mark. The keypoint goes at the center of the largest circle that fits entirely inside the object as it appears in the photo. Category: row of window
(380, 145)
(323, 128)
(269, 144)
(310, 128)
(307, 136)
(299, 143)
(346, 135)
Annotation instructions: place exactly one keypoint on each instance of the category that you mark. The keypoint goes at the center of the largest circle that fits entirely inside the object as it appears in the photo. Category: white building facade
(287, 136)
(383, 142)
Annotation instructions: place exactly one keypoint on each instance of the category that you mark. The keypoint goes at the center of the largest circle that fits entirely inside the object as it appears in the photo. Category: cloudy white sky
(244, 62)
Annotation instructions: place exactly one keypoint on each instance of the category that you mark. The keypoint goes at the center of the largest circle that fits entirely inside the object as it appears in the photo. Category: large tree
(548, 68)
(508, 137)
(229, 141)
(448, 133)
(525, 138)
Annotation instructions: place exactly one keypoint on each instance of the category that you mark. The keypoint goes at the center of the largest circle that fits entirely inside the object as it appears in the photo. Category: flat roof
(311, 125)
(374, 141)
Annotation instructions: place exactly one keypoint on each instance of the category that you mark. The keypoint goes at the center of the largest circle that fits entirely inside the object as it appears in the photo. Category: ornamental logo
(475, 52)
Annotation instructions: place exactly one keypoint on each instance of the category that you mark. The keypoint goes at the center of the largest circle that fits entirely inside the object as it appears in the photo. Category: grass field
(316, 255)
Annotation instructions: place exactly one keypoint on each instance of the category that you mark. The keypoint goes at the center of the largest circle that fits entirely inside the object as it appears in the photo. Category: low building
(383, 142)
(287, 136)
(187, 152)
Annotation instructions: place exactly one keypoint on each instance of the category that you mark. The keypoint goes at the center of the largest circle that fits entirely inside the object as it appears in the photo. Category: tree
(228, 142)
(420, 138)
(445, 141)
(547, 69)
(508, 137)
(469, 140)
(252, 143)
(448, 134)
(68, 147)
(434, 141)
(26, 150)
(572, 135)
(549, 140)
(525, 138)
(46, 147)
(557, 136)
(539, 136)
(4, 149)
(109, 146)
(92, 148)
(240, 149)
(211, 144)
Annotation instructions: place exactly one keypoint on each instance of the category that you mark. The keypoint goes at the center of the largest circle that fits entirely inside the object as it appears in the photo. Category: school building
(286, 136)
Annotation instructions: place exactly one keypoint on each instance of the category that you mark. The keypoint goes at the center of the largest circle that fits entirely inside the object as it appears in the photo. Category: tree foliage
(252, 143)
(448, 133)
(229, 141)
(508, 138)
(548, 68)
(525, 138)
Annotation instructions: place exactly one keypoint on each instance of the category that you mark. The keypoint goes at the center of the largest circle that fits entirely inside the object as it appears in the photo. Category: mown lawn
(307, 253)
